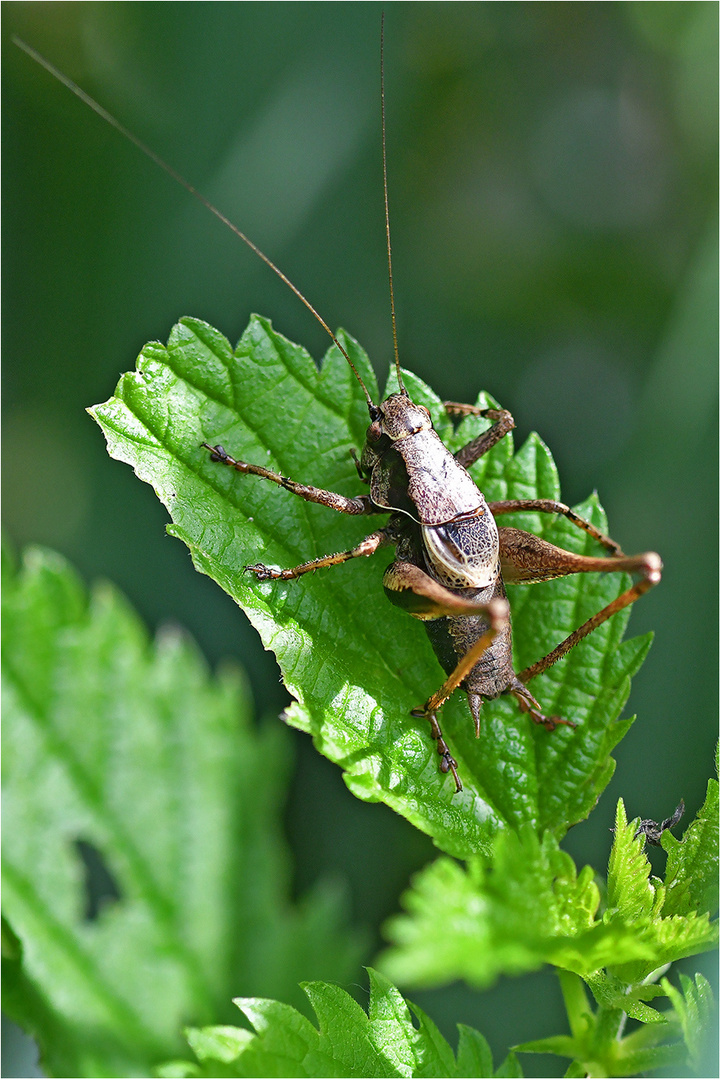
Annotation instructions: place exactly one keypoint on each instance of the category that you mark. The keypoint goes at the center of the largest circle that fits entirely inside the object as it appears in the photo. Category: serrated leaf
(696, 1012)
(631, 894)
(612, 993)
(391, 1023)
(692, 867)
(347, 1041)
(130, 755)
(523, 908)
(354, 663)
(637, 901)
(474, 1053)
(434, 1055)
(526, 906)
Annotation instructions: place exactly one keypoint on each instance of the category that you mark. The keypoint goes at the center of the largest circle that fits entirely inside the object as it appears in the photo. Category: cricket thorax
(463, 553)
(410, 468)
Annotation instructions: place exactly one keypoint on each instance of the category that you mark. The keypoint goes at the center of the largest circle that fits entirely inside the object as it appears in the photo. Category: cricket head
(394, 419)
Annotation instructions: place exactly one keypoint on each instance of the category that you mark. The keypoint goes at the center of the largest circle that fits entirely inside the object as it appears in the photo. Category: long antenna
(97, 108)
(388, 222)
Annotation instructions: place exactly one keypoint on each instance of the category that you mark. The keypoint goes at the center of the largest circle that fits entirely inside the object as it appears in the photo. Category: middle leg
(550, 506)
(367, 546)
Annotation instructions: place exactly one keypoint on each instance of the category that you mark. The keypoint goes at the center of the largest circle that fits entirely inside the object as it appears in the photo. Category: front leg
(361, 504)
(367, 546)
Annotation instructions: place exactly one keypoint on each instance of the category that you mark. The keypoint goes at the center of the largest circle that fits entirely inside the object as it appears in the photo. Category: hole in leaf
(101, 888)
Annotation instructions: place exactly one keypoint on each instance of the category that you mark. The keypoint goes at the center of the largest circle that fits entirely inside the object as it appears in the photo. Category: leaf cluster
(145, 878)
(475, 924)
(527, 906)
(383, 1042)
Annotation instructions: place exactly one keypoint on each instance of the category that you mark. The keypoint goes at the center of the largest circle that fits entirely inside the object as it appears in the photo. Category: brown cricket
(452, 559)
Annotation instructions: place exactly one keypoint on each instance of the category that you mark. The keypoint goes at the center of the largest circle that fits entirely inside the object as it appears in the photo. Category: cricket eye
(374, 432)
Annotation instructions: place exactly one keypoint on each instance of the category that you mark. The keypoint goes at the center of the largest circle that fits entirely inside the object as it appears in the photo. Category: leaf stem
(575, 999)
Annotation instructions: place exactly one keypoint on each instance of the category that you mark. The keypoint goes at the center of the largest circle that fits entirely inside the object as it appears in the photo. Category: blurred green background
(553, 195)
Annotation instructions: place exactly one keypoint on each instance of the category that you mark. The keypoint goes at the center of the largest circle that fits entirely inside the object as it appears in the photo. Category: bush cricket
(451, 556)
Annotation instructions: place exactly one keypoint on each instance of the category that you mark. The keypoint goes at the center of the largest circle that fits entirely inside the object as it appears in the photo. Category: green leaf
(474, 1053)
(509, 1067)
(435, 1057)
(522, 908)
(560, 1045)
(613, 993)
(619, 1061)
(180, 1068)
(697, 1014)
(383, 1042)
(596, 1046)
(527, 905)
(692, 867)
(631, 895)
(355, 664)
(636, 901)
(125, 759)
(222, 1043)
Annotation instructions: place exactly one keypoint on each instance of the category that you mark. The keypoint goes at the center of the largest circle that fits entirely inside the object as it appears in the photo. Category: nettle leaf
(354, 663)
(145, 879)
(692, 867)
(636, 900)
(612, 993)
(487, 920)
(696, 1012)
(384, 1042)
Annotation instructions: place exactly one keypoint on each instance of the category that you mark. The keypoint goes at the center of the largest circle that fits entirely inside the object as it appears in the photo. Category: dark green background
(552, 172)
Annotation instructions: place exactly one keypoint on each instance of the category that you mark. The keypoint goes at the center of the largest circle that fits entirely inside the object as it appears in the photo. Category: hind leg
(527, 558)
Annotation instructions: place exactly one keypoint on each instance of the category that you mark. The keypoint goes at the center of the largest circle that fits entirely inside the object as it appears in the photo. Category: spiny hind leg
(527, 558)
(448, 762)
(412, 589)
